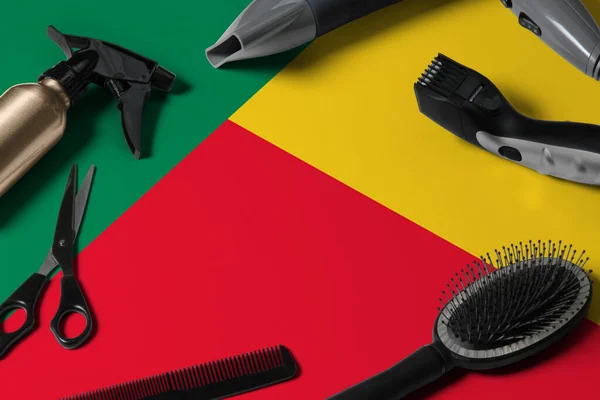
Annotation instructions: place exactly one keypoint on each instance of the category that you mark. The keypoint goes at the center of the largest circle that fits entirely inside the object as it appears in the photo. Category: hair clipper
(469, 105)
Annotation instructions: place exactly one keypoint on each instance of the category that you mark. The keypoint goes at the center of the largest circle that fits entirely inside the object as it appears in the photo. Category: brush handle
(415, 371)
(331, 14)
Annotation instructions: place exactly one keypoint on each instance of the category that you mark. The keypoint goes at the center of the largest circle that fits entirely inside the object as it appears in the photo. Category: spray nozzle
(129, 76)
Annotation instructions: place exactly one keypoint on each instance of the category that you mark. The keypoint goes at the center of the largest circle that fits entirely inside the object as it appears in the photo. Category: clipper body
(469, 105)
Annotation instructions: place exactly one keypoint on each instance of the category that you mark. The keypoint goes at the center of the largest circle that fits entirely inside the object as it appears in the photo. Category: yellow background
(346, 105)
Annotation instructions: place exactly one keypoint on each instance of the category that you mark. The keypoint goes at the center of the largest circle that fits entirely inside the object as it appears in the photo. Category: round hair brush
(495, 312)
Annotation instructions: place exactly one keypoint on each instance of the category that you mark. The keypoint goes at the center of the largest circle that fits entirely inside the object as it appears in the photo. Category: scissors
(72, 299)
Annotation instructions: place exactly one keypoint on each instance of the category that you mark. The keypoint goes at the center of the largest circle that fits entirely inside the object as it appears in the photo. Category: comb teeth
(443, 75)
(202, 376)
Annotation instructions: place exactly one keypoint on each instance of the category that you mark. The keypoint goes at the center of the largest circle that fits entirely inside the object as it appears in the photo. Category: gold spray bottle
(33, 116)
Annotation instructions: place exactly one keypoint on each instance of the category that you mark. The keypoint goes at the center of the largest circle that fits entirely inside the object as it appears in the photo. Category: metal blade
(64, 236)
(81, 201)
(82, 198)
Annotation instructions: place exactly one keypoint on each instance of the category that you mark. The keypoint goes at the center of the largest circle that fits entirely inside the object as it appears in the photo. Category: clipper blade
(440, 93)
(443, 76)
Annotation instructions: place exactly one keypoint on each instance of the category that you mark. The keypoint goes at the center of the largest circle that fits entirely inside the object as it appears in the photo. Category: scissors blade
(81, 201)
(82, 198)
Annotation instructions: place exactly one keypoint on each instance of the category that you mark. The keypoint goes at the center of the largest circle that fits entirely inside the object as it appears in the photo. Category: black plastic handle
(331, 14)
(417, 370)
(572, 135)
(72, 301)
(25, 298)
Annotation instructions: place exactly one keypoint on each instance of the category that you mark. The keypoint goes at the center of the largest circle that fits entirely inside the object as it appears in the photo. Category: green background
(173, 33)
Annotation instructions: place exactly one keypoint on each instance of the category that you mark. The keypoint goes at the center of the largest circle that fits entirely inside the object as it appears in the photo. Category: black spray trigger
(129, 76)
(131, 104)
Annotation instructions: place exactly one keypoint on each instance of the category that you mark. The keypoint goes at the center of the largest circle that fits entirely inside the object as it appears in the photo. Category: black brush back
(513, 302)
(214, 380)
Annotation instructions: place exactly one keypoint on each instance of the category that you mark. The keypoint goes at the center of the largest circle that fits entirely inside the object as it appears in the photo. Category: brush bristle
(443, 76)
(246, 365)
(519, 292)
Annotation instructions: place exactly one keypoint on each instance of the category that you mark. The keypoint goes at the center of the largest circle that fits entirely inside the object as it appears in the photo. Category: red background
(243, 246)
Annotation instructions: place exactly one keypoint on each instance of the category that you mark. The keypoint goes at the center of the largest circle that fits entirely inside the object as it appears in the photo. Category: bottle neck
(57, 88)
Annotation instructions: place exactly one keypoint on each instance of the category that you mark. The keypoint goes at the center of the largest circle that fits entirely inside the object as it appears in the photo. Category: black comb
(214, 380)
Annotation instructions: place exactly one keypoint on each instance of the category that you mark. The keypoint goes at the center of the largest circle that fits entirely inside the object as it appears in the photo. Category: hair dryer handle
(331, 14)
